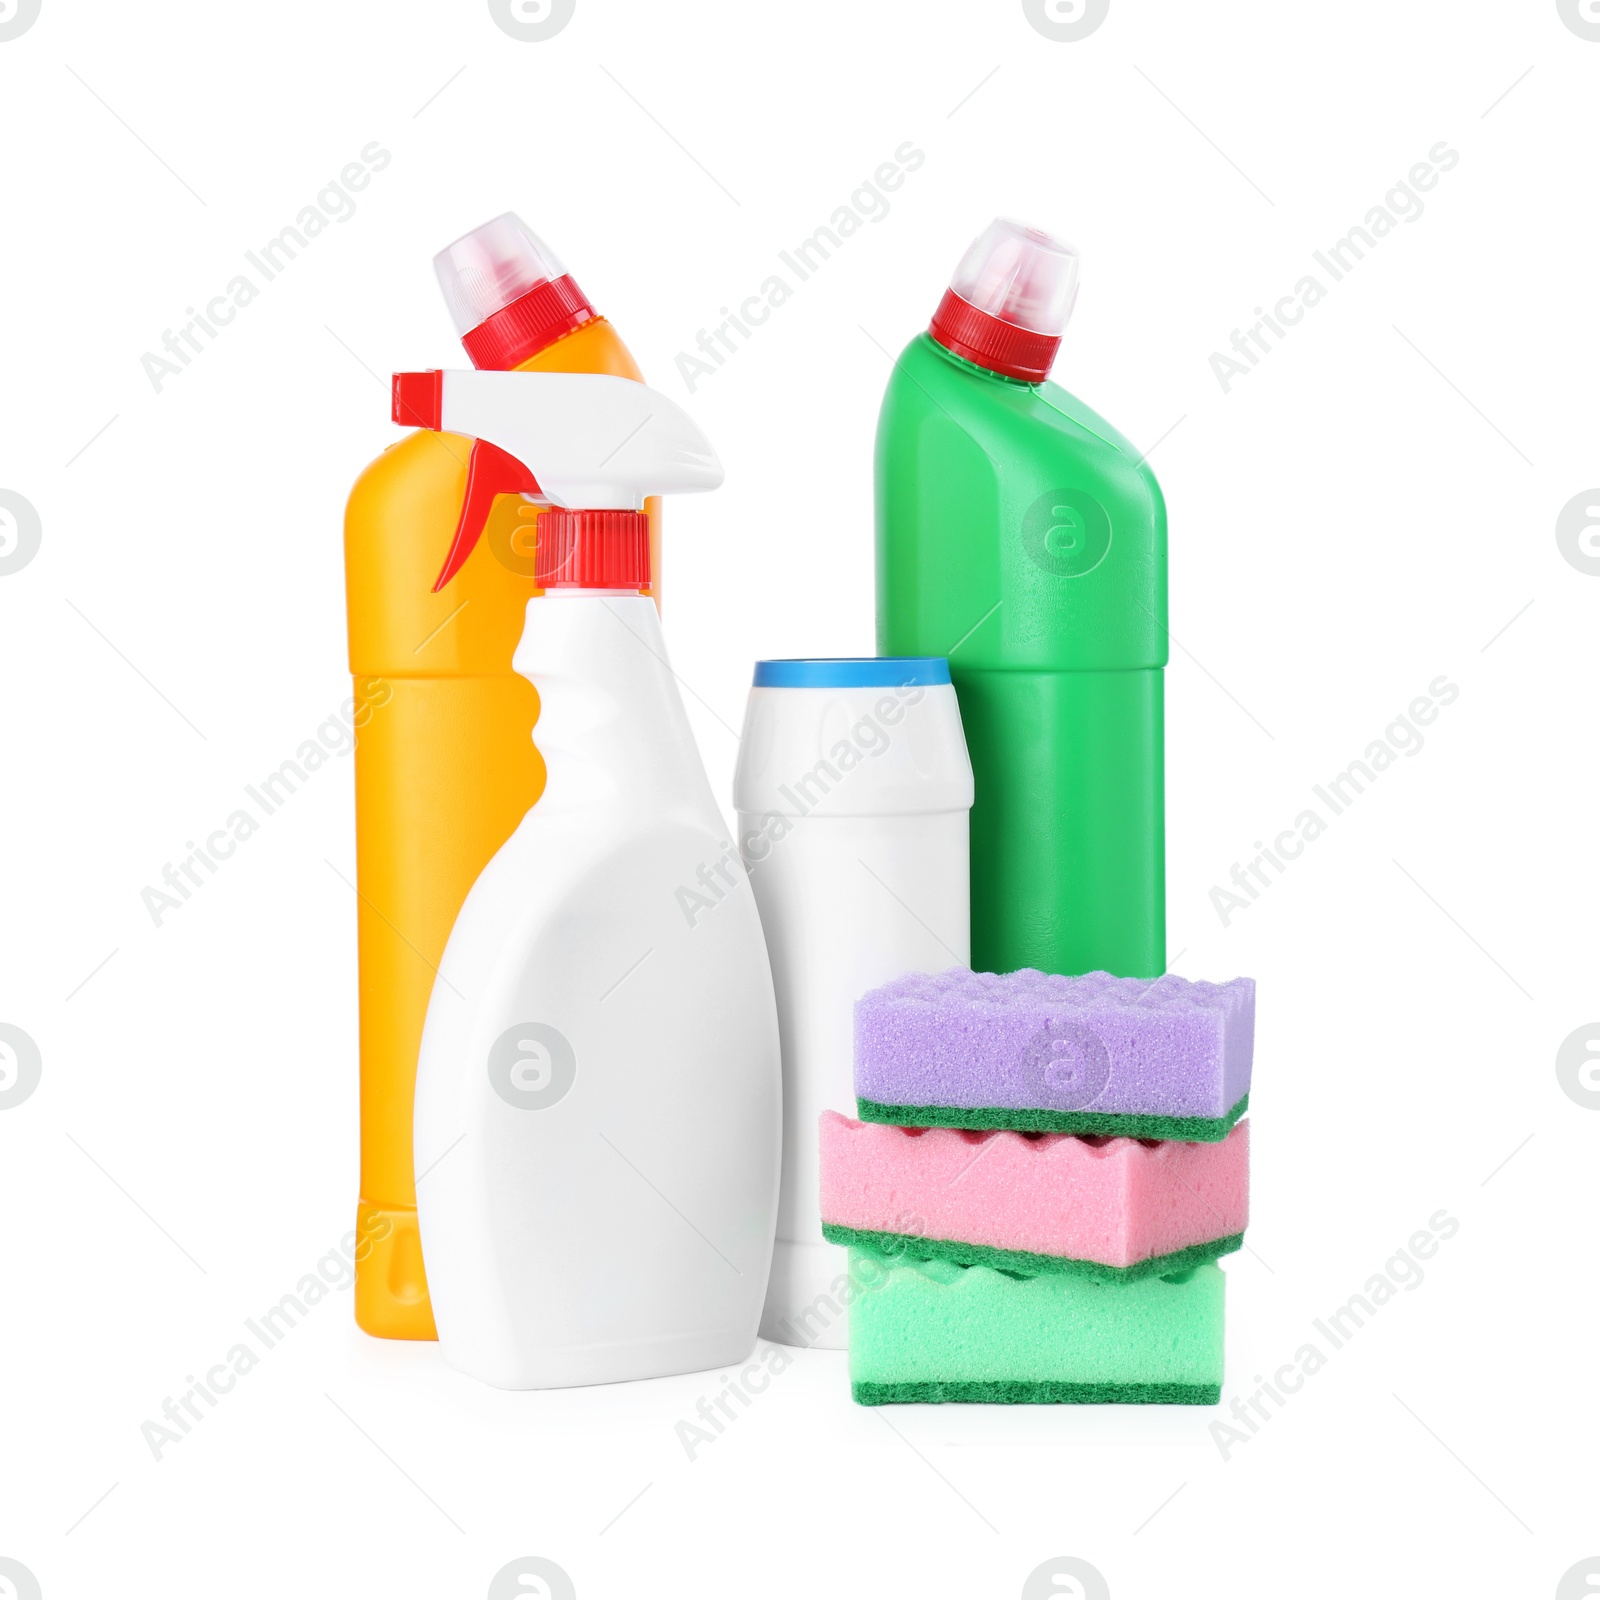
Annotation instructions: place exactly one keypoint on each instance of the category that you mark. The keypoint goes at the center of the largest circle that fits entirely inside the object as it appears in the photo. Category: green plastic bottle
(1023, 537)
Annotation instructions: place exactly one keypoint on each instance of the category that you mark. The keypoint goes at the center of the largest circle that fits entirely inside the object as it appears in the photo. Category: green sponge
(1113, 1124)
(931, 1331)
(1029, 1263)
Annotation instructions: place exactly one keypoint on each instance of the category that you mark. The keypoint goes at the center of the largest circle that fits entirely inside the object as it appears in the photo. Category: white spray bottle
(598, 1100)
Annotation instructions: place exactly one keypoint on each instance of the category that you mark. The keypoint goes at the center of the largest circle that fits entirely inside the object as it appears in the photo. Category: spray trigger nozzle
(580, 443)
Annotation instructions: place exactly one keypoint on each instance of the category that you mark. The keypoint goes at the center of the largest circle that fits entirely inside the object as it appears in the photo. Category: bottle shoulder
(397, 530)
(595, 347)
(657, 875)
(931, 387)
(424, 463)
(944, 420)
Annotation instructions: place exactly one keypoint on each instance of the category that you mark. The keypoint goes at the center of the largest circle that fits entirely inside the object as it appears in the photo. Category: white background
(1373, 506)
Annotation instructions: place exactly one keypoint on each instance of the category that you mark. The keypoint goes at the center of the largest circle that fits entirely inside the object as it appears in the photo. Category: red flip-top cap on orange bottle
(1009, 301)
(509, 297)
(508, 293)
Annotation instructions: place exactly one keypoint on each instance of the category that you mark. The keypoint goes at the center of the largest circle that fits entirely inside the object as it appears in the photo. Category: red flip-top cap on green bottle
(508, 294)
(1009, 301)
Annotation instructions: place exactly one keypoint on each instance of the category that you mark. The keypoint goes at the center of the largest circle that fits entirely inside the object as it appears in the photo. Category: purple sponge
(1168, 1059)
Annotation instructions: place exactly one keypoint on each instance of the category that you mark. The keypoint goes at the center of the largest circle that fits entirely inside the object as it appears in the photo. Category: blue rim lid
(851, 672)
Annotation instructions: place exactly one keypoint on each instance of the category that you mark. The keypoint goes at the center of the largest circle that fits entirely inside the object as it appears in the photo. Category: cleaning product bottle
(853, 790)
(598, 1089)
(445, 767)
(1023, 537)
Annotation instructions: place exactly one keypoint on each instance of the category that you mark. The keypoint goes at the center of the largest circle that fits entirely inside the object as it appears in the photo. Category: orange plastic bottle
(445, 762)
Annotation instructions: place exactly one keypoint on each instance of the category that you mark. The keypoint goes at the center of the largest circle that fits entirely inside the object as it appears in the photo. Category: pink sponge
(1112, 1209)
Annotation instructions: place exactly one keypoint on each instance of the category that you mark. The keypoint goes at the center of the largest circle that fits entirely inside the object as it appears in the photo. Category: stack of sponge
(1044, 1173)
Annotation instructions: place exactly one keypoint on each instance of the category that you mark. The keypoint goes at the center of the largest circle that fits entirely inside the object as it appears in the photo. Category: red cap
(592, 550)
(1000, 346)
(547, 312)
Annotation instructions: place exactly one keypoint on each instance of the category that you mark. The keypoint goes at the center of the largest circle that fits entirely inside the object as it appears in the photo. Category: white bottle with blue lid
(853, 791)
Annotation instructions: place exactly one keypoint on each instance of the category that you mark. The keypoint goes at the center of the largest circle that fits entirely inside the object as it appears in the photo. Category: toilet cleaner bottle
(1023, 537)
(598, 1100)
(445, 766)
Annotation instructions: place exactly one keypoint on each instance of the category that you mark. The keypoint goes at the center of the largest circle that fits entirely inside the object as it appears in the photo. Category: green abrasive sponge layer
(1027, 1262)
(932, 1331)
(1026, 1119)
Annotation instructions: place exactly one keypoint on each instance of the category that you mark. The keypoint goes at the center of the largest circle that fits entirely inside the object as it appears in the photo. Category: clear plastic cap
(1020, 275)
(485, 270)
